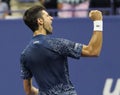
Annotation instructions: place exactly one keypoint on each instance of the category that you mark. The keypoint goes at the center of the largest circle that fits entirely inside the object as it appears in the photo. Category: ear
(40, 21)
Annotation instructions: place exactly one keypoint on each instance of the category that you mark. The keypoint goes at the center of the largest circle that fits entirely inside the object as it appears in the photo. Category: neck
(40, 31)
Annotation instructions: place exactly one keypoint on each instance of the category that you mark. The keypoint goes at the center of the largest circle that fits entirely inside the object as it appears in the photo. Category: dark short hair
(31, 15)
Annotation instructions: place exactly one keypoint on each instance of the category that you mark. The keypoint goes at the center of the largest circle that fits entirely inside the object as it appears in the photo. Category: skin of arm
(94, 46)
(29, 88)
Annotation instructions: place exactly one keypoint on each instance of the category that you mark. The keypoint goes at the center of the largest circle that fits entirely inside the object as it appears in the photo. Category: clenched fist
(95, 15)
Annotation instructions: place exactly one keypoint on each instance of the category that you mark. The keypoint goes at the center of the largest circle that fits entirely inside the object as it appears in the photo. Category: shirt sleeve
(66, 47)
(25, 72)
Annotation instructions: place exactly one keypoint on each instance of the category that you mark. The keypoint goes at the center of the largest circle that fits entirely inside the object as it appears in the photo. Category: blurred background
(90, 76)
(10, 9)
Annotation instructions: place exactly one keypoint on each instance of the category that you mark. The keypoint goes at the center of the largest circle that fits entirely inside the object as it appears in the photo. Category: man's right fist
(95, 15)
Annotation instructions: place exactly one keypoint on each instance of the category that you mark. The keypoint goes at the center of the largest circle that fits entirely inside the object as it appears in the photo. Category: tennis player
(45, 57)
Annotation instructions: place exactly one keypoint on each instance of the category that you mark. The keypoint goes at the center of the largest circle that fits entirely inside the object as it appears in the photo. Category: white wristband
(98, 25)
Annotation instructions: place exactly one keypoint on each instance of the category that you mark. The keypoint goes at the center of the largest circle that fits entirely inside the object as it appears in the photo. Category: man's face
(47, 22)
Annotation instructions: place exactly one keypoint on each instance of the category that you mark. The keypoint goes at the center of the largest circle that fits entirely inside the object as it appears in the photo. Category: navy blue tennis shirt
(45, 58)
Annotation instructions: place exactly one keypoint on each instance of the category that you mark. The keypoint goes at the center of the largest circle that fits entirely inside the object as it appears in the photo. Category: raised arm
(95, 43)
(29, 88)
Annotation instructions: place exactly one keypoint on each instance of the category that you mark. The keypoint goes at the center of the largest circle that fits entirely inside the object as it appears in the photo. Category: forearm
(96, 42)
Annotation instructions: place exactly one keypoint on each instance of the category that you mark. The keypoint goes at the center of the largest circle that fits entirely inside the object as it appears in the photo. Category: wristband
(98, 25)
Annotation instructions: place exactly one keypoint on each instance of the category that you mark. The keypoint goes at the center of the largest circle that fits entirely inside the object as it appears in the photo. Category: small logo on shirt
(36, 42)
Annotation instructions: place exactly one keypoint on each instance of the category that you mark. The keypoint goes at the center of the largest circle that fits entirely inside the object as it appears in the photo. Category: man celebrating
(45, 57)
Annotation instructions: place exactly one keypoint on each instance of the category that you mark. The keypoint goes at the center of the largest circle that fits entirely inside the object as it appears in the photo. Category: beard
(48, 32)
(48, 29)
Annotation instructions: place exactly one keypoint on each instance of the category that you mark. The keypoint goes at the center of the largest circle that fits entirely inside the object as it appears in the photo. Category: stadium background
(89, 75)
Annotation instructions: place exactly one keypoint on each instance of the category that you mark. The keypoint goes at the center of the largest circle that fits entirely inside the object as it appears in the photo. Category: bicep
(87, 51)
(66, 47)
(71, 49)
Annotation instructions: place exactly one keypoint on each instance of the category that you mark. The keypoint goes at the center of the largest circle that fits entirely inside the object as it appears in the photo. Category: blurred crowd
(11, 9)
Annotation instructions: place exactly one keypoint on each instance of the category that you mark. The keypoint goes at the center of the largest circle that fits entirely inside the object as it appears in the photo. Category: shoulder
(56, 41)
(59, 42)
(26, 49)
